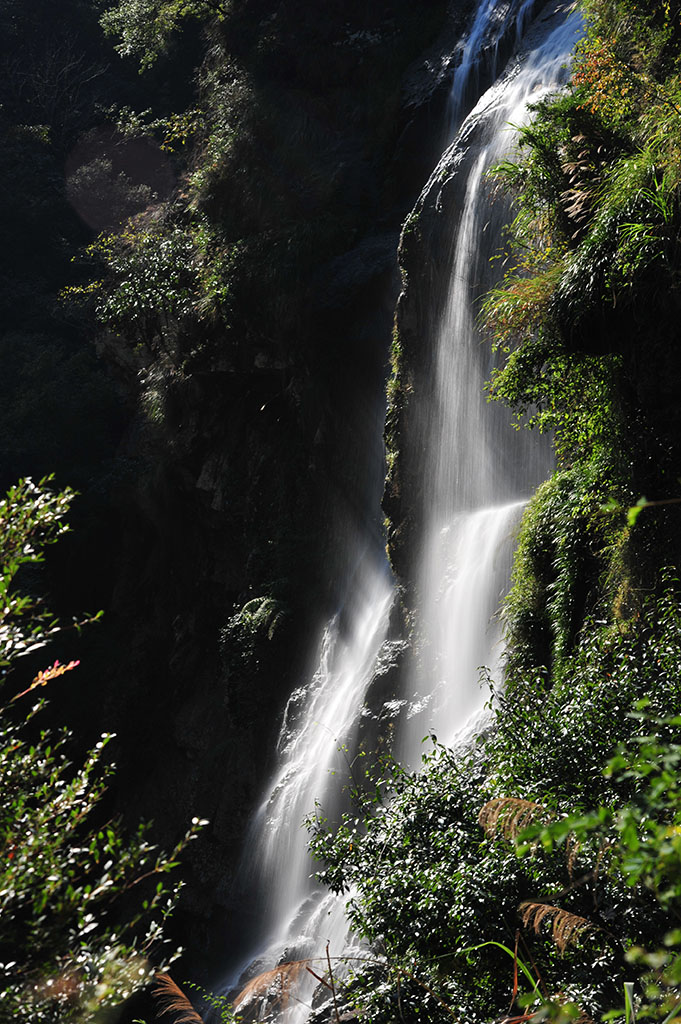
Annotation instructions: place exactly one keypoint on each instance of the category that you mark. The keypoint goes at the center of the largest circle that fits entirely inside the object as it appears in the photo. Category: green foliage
(638, 841)
(395, 857)
(441, 903)
(562, 728)
(595, 239)
(570, 563)
(31, 517)
(640, 838)
(144, 27)
(158, 277)
(288, 104)
(219, 1006)
(249, 632)
(260, 614)
(644, 35)
(150, 281)
(82, 903)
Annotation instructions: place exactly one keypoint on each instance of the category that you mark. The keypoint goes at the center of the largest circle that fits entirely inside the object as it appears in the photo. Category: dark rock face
(248, 479)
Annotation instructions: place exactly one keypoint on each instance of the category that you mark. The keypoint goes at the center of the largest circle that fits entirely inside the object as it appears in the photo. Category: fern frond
(566, 928)
(509, 815)
(172, 1000)
(572, 848)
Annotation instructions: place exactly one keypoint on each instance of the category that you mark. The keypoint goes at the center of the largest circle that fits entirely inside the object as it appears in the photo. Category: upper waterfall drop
(478, 470)
(480, 52)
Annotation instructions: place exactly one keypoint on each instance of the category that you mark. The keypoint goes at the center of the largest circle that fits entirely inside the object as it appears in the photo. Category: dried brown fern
(578, 199)
(572, 848)
(509, 815)
(566, 927)
(172, 1000)
(274, 985)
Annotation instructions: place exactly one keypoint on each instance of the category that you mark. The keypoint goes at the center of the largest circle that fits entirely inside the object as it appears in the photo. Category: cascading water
(314, 745)
(477, 474)
(478, 471)
(486, 32)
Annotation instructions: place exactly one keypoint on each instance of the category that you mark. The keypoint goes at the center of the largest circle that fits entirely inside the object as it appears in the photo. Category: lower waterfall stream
(477, 474)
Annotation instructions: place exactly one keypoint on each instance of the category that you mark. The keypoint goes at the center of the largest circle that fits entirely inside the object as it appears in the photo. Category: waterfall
(477, 473)
(315, 748)
(477, 470)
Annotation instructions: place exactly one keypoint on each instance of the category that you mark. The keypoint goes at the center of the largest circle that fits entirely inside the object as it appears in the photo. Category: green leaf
(635, 510)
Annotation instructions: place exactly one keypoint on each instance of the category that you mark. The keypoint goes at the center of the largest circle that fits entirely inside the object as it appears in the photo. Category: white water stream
(491, 17)
(477, 474)
(478, 471)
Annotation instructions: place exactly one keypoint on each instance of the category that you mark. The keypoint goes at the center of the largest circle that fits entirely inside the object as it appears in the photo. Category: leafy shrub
(145, 26)
(443, 900)
(151, 280)
(569, 564)
(595, 238)
(82, 903)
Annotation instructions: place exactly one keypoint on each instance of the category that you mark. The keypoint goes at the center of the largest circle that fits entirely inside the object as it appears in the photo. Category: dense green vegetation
(268, 198)
(432, 858)
(83, 904)
(534, 875)
(588, 320)
(227, 291)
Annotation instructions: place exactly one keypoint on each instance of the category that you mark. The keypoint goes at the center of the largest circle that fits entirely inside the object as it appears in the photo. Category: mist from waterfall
(477, 474)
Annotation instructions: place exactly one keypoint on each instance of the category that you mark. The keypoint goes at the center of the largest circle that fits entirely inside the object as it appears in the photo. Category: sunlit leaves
(144, 27)
(442, 900)
(150, 280)
(595, 240)
(158, 276)
(610, 87)
(64, 950)
(31, 517)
